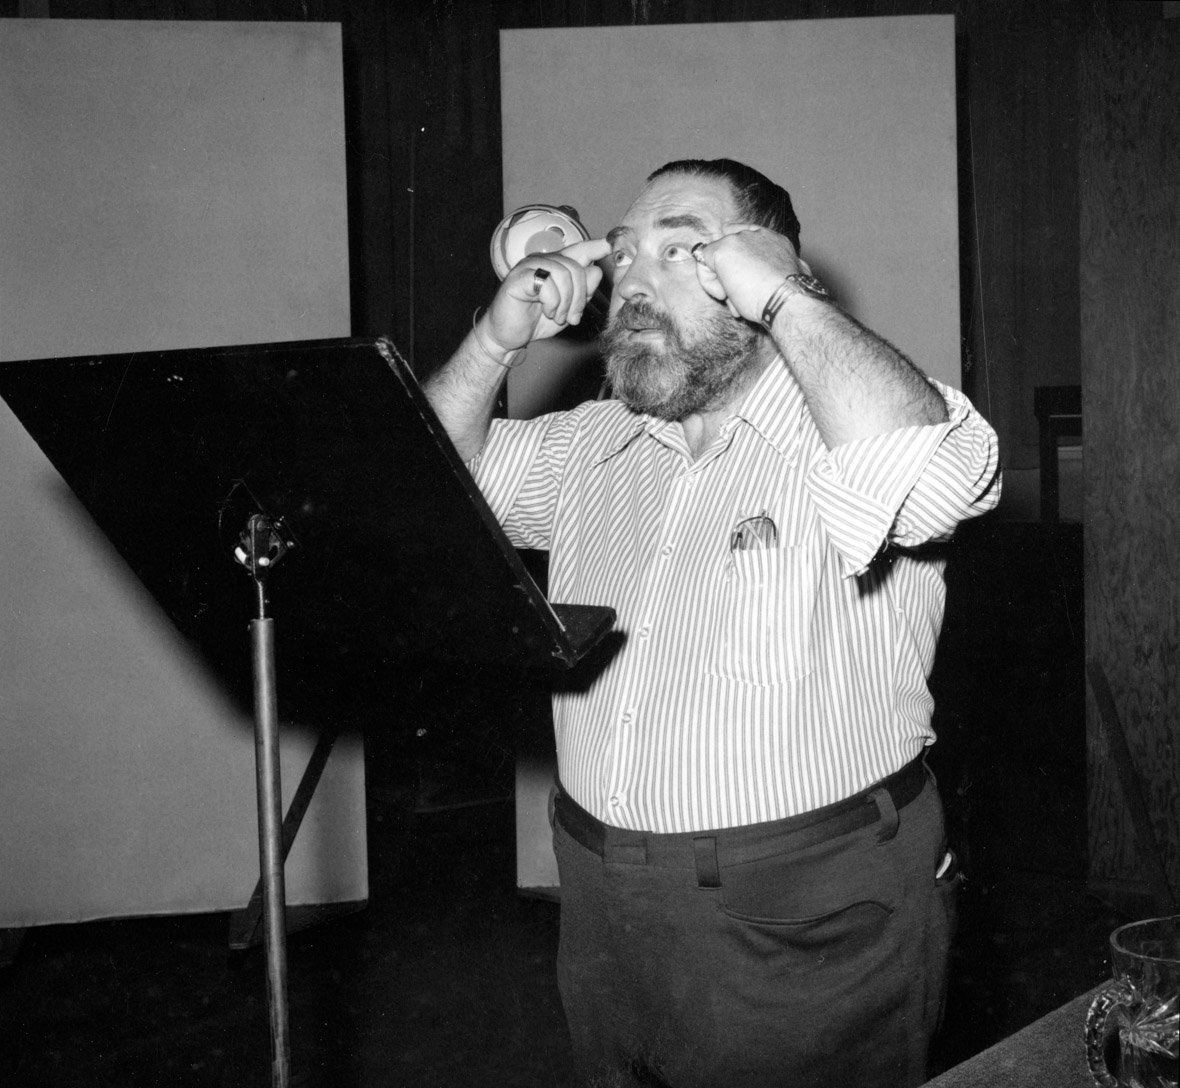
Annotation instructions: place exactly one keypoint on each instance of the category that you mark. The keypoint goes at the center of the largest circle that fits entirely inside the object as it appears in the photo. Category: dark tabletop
(1049, 1053)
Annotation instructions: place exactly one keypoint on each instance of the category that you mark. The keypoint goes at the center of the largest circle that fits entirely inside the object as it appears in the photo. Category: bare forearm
(463, 394)
(856, 384)
(543, 293)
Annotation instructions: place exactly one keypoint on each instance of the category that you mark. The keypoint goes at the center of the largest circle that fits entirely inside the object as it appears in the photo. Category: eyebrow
(675, 222)
(669, 222)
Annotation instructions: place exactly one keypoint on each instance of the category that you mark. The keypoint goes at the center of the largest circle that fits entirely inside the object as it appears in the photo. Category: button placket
(657, 575)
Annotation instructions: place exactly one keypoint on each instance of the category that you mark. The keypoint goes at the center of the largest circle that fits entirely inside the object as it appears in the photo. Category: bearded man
(755, 886)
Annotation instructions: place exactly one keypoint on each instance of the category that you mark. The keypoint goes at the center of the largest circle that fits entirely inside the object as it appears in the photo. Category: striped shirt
(753, 682)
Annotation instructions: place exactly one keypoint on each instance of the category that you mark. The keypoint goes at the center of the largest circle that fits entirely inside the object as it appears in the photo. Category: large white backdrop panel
(162, 185)
(168, 185)
(855, 117)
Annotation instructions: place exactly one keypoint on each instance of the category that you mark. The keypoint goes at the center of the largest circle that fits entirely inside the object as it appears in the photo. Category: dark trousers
(778, 955)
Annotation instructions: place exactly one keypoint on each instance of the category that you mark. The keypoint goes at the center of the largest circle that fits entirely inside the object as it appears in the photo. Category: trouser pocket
(829, 904)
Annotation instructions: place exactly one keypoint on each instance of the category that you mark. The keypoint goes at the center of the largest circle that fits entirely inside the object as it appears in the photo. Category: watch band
(797, 281)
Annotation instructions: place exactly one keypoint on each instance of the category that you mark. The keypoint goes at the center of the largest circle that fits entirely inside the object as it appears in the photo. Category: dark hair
(759, 200)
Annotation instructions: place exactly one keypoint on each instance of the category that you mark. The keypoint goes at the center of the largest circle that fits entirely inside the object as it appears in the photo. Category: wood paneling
(1130, 320)
(1020, 216)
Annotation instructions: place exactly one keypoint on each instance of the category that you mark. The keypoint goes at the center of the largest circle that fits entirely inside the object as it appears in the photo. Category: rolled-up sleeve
(906, 487)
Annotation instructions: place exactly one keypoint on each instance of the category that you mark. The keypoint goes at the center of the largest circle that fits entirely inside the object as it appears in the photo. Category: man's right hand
(530, 307)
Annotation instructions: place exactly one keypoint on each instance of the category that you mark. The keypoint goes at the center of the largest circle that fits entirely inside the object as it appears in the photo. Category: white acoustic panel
(855, 117)
(170, 185)
(162, 185)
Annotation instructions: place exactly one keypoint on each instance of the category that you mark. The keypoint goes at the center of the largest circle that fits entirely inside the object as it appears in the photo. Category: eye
(676, 252)
(620, 258)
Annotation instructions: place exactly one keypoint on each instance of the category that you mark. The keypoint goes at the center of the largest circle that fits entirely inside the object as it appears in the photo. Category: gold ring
(696, 252)
(539, 277)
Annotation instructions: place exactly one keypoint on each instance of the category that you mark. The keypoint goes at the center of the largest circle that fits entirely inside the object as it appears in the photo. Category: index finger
(586, 253)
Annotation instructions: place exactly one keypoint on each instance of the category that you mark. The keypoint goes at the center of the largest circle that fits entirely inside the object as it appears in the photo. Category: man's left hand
(743, 267)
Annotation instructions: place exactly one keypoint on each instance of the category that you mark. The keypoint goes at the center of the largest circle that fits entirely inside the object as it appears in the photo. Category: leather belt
(738, 845)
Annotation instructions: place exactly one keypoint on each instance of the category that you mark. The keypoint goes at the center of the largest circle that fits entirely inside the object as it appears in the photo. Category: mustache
(639, 314)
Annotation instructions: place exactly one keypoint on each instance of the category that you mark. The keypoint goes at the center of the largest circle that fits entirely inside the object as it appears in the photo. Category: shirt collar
(629, 427)
(774, 407)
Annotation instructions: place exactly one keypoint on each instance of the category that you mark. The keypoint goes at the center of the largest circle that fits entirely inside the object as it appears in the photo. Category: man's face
(671, 349)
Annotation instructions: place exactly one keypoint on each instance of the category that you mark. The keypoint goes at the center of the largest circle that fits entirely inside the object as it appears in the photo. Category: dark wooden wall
(425, 177)
(1130, 292)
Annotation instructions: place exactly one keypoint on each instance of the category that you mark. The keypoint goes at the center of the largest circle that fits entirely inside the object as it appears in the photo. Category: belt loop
(887, 827)
(708, 871)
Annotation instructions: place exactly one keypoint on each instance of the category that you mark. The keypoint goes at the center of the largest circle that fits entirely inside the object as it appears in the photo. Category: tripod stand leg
(270, 846)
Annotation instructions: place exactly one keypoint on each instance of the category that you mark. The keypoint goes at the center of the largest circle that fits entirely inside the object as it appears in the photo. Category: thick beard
(681, 376)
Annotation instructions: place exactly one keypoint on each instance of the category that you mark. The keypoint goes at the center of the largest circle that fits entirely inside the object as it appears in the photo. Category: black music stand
(321, 469)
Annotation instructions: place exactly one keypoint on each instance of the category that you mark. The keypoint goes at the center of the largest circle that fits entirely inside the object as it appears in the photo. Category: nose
(635, 283)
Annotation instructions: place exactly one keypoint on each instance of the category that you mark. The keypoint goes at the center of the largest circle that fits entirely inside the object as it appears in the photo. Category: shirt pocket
(762, 632)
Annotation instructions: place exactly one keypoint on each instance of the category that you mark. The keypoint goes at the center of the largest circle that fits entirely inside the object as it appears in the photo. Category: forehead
(674, 198)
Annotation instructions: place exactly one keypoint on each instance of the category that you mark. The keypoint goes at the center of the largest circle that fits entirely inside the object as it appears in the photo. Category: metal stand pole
(270, 847)
(261, 546)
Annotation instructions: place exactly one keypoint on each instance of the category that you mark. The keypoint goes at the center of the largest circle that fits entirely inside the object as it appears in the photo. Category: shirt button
(666, 550)
(615, 802)
(628, 715)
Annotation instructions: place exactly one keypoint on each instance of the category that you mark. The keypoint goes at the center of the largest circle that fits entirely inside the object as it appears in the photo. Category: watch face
(810, 284)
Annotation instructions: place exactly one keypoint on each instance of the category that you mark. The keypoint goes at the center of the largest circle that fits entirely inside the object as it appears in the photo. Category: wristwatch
(797, 281)
(810, 285)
